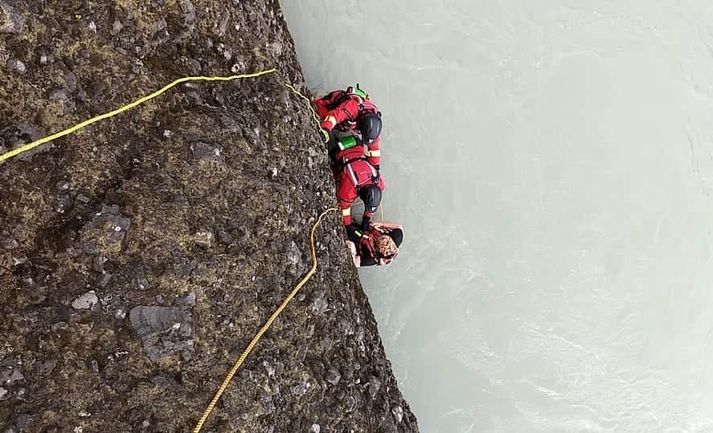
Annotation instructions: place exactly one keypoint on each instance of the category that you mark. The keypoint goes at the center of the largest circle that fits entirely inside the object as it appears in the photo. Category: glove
(352, 232)
(365, 223)
(364, 243)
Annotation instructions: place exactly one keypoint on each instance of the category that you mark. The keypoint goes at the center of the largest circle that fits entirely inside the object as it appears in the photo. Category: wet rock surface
(140, 256)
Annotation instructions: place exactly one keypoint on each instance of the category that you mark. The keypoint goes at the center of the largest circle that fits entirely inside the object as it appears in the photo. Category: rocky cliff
(139, 256)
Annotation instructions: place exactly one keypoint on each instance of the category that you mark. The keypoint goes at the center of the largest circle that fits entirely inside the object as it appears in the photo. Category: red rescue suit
(341, 109)
(352, 172)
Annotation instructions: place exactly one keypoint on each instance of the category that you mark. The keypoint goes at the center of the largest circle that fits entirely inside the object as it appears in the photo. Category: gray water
(552, 163)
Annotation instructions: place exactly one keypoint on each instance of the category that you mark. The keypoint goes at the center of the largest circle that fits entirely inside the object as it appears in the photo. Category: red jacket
(340, 109)
(353, 172)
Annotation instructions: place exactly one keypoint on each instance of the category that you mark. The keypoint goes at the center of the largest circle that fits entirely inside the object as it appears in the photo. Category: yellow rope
(146, 98)
(129, 106)
(286, 301)
(325, 134)
(24, 148)
(265, 327)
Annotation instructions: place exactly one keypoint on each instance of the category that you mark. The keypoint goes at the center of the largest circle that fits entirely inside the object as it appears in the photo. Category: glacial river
(552, 163)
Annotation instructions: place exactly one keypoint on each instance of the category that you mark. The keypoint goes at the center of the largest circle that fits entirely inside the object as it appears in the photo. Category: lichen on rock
(139, 256)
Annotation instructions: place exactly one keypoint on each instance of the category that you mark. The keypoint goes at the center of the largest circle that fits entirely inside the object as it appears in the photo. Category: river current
(552, 164)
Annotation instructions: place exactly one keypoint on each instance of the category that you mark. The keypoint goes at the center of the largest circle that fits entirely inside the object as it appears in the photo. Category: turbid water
(552, 163)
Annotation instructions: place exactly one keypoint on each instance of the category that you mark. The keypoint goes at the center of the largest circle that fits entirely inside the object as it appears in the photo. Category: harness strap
(358, 158)
(353, 176)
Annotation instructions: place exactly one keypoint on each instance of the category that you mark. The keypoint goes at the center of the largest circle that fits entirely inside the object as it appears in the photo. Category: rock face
(163, 331)
(139, 256)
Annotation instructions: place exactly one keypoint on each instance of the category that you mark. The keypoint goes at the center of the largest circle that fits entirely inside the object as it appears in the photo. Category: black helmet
(370, 126)
(371, 196)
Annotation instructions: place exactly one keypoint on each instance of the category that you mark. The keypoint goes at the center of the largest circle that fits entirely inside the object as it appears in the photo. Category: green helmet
(359, 92)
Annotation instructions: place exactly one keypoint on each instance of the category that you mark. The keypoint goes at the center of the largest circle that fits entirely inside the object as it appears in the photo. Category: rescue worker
(378, 245)
(356, 177)
(350, 112)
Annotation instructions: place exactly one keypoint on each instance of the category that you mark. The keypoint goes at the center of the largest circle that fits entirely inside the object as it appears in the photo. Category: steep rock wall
(139, 256)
